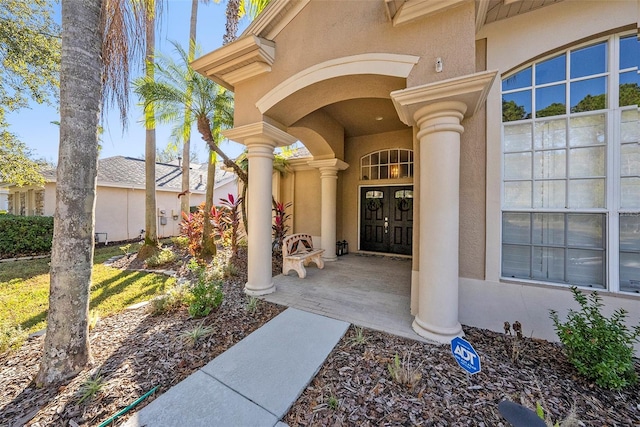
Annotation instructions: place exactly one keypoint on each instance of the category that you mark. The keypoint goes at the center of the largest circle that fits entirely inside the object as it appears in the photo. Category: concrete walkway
(255, 382)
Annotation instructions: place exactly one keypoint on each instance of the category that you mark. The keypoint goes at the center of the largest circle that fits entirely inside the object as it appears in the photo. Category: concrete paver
(292, 347)
(255, 382)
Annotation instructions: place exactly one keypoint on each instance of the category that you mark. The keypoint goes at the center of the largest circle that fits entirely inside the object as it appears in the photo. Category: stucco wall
(350, 182)
(307, 203)
(318, 33)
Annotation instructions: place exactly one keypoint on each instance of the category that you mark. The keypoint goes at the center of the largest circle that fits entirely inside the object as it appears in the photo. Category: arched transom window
(394, 163)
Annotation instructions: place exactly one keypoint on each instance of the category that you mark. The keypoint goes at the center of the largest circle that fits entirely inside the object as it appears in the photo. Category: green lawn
(24, 289)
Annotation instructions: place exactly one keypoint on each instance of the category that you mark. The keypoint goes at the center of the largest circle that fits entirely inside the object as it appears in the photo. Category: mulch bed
(134, 352)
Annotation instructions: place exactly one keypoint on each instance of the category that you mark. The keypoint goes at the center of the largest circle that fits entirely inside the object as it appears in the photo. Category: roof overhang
(412, 10)
(246, 57)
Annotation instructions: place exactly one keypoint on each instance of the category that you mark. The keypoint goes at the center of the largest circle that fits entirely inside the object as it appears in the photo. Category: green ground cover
(24, 289)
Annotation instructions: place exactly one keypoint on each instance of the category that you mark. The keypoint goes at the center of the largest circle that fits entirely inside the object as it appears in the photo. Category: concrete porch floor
(365, 290)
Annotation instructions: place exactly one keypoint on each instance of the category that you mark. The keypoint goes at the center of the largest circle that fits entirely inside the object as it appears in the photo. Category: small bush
(181, 242)
(600, 348)
(177, 297)
(11, 337)
(165, 256)
(230, 270)
(206, 296)
(192, 336)
(25, 235)
(90, 388)
(403, 373)
(252, 305)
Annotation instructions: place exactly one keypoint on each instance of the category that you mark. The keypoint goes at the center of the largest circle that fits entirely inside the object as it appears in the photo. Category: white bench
(298, 252)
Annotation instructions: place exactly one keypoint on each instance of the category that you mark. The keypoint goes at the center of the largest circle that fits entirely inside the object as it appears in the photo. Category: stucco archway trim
(388, 64)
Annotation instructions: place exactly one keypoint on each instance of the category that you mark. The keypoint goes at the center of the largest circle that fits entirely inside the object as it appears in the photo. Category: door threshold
(385, 254)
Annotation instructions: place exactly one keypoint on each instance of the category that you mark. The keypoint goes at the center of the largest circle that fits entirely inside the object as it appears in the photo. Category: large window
(571, 167)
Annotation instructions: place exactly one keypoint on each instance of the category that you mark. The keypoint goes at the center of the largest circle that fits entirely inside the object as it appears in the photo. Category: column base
(436, 334)
(257, 292)
(330, 258)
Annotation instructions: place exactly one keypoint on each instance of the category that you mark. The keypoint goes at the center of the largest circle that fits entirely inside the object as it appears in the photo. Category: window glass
(587, 162)
(589, 95)
(517, 81)
(630, 232)
(630, 272)
(516, 106)
(586, 130)
(404, 156)
(550, 164)
(551, 101)
(517, 137)
(589, 60)
(393, 156)
(548, 229)
(517, 166)
(374, 195)
(630, 159)
(629, 88)
(516, 227)
(585, 230)
(629, 52)
(551, 70)
(551, 134)
(549, 194)
(548, 264)
(586, 193)
(630, 193)
(516, 261)
(585, 267)
(629, 127)
(517, 194)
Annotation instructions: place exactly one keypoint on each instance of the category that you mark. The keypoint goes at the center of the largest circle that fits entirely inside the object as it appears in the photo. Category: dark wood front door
(386, 219)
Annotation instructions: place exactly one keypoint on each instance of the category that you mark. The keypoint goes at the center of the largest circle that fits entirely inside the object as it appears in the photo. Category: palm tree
(99, 40)
(235, 10)
(151, 243)
(210, 106)
(186, 146)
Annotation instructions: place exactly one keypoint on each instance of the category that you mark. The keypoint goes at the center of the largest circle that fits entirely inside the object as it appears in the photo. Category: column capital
(470, 90)
(328, 165)
(260, 133)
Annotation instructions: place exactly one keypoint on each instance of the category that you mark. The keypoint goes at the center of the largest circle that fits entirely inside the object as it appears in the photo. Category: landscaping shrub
(165, 256)
(171, 301)
(25, 235)
(600, 348)
(206, 294)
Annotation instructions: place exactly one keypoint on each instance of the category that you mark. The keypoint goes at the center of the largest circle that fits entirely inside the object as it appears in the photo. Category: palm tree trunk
(208, 242)
(233, 14)
(151, 217)
(186, 147)
(66, 345)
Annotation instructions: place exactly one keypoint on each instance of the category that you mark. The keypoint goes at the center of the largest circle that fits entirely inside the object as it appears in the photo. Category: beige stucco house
(120, 194)
(495, 142)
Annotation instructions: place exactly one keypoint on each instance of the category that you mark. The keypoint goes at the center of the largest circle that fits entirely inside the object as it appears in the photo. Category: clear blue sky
(33, 126)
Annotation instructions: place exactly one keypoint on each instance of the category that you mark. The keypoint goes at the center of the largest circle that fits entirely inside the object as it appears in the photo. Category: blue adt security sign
(465, 355)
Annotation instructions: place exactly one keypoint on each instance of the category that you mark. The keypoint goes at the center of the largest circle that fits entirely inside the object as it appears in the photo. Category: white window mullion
(613, 168)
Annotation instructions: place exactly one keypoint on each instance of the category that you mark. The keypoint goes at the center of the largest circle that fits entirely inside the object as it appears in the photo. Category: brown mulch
(354, 386)
(134, 352)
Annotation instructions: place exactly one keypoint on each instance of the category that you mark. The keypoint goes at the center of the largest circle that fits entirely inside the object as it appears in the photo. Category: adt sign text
(465, 355)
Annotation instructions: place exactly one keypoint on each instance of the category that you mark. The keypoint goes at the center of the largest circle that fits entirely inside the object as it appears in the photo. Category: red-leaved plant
(231, 216)
(280, 227)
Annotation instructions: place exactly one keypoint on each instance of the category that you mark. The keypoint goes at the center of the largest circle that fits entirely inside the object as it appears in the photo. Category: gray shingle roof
(129, 171)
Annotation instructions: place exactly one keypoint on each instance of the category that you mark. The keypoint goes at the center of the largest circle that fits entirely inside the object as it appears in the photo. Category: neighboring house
(494, 141)
(120, 196)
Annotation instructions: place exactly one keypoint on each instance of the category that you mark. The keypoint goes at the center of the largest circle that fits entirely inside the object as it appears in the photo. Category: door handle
(386, 225)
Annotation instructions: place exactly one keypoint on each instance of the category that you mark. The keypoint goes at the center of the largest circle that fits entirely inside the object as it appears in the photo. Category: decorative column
(329, 186)
(261, 139)
(437, 110)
